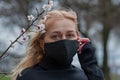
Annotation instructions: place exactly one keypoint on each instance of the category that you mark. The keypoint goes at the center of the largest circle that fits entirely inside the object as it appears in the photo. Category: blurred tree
(16, 11)
(106, 12)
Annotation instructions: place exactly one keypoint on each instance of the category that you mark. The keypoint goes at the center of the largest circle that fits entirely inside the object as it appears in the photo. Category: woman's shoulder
(27, 72)
(31, 70)
(24, 72)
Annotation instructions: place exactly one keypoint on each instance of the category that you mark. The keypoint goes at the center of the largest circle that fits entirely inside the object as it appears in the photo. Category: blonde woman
(49, 54)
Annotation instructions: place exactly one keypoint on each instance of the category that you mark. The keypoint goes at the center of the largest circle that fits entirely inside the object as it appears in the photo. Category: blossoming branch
(45, 8)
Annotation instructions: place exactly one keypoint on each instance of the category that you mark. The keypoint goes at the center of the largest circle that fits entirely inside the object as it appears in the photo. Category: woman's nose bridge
(64, 37)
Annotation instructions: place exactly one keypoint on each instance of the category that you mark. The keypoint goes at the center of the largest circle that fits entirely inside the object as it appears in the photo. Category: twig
(46, 8)
(11, 44)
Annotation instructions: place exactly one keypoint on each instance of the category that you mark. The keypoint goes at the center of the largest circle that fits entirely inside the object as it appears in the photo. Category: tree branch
(28, 27)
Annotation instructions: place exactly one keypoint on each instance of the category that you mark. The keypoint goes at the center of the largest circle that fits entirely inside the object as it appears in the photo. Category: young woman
(49, 54)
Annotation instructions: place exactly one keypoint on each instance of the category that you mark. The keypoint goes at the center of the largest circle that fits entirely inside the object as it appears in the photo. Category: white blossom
(12, 46)
(41, 28)
(48, 6)
(43, 31)
(23, 30)
(44, 18)
(51, 2)
(45, 6)
(30, 17)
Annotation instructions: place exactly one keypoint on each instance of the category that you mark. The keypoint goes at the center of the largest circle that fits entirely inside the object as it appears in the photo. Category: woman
(49, 54)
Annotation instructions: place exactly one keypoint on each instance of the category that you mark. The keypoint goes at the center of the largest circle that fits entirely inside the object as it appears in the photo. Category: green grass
(4, 77)
(115, 77)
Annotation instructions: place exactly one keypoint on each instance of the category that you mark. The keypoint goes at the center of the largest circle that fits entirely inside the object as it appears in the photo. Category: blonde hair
(35, 47)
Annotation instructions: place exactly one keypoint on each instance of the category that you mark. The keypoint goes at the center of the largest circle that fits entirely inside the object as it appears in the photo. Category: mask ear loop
(81, 43)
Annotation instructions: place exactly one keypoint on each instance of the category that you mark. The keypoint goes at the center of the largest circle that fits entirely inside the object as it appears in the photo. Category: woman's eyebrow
(71, 31)
(56, 32)
(60, 32)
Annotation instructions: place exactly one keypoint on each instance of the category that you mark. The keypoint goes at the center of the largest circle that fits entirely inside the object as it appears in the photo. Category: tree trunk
(106, 32)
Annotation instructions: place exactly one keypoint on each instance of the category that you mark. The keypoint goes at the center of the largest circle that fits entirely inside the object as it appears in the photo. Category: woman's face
(61, 29)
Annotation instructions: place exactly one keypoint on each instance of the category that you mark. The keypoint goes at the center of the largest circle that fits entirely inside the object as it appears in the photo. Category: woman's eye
(55, 37)
(70, 35)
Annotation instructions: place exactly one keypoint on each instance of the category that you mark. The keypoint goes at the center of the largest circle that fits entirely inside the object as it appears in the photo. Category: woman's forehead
(61, 25)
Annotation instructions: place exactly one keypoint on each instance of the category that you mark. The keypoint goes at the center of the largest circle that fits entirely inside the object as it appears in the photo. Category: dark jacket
(47, 70)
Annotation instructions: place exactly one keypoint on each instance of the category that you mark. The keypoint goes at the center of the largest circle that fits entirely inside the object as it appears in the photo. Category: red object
(24, 39)
(38, 27)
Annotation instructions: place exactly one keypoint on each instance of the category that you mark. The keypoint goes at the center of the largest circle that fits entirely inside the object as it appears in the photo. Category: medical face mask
(61, 52)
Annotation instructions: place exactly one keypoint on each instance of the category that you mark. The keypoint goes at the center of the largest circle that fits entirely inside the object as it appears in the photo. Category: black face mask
(61, 52)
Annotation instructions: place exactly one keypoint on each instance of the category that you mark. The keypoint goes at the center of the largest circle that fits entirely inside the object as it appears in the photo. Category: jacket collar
(49, 64)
